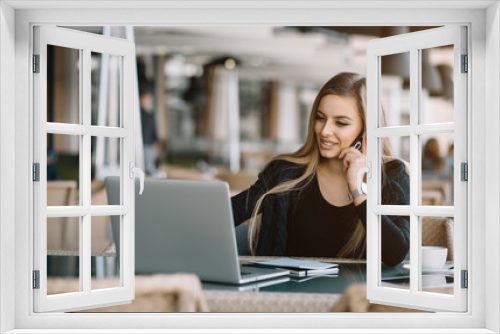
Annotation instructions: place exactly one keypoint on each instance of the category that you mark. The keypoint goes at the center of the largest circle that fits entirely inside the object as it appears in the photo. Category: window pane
(63, 254)
(105, 269)
(437, 169)
(393, 276)
(63, 85)
(106, 78)
(394, 148)
(437, 254)
(106, 161)
(63, 169)
(437, 85)
(395, 89)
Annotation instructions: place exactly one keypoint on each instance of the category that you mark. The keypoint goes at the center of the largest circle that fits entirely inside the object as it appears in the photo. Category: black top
(316, 227)
(273, 234)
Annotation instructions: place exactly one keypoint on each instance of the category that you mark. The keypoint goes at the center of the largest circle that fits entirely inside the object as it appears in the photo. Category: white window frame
(85, 43)
(483, 100)
(413, 43)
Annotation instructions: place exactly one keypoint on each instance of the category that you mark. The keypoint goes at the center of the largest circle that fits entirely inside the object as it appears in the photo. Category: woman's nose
(327, 129)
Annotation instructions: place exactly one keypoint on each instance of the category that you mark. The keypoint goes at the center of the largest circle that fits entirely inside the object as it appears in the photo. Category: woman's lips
(327, 144)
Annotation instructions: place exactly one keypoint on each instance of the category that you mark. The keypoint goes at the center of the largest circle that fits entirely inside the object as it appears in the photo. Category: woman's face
(337, 124)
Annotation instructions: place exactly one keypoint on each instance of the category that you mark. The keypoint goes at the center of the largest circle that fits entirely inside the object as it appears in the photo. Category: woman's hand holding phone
(353, 160)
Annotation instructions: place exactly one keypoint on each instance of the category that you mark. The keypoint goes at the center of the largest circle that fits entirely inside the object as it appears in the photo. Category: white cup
(433, 257)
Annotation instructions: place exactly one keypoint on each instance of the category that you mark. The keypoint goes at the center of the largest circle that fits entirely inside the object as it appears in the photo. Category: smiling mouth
(327, 143)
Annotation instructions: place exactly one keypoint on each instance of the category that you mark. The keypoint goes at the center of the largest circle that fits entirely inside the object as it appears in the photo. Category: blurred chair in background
(60, 230)
(237, 181)
(432, 197)
(63, 244)
(431, 190)
(438, 231)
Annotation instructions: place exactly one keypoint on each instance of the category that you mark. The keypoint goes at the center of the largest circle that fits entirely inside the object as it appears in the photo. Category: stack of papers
(301, 268)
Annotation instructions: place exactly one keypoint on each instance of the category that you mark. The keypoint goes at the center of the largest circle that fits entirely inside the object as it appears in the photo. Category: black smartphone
(358, 142)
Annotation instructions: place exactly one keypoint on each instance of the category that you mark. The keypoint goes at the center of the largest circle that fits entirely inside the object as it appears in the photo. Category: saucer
(447, 269)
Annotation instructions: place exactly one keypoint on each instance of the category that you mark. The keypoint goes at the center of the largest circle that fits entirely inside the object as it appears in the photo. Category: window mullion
(405, 210)
(415, 73)
(111, 132)
(85, 253)
(431, 129)
(394, 131)
(85, 167)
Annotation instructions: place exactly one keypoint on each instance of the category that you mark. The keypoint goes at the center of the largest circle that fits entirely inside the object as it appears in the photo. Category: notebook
(300, 267)
(186, 226)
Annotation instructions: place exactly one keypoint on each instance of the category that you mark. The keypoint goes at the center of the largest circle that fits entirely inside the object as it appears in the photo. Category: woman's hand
(353, 160)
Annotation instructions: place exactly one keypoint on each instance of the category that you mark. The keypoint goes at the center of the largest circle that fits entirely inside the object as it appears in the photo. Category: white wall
(278, 16)
(492, 165)
(7, 159)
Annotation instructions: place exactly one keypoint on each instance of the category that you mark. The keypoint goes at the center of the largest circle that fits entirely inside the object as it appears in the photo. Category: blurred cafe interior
(216, 103)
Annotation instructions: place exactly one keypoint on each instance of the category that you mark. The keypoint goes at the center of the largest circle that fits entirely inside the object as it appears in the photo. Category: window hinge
(465, 279)
(465, 64)
(36, 63)
(36, 279)
(36, 172)
(464, 171)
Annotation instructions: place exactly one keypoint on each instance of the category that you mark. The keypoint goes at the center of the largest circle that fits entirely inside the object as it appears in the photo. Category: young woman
(306, 203)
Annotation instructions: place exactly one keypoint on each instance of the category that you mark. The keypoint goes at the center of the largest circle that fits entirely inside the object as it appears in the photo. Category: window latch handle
(133, 170)
(359, 179)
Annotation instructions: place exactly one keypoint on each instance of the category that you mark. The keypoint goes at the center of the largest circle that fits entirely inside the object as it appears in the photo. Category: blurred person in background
(307, 203)
(450, 159)
(52, 173)
(149, 134)
(431, 159)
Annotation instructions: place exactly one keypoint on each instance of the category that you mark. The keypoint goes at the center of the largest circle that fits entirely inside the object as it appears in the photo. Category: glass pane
(437, 85)
(105, 270)
(395, 89)
(437, 254)
(106, 161)
(63, 255)
(63, 169)
(437, 169)
(63, 85)
(394, 148)
(106, 78)
(394, 275)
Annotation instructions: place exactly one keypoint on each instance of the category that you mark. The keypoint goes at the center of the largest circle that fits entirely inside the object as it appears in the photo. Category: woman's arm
(244, 203)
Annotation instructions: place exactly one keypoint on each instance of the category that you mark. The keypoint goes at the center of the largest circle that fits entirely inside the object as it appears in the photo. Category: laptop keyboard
(243, 273)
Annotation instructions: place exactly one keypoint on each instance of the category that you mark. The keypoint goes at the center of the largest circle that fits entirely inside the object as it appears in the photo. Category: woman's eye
(342, 124)
(319, 117)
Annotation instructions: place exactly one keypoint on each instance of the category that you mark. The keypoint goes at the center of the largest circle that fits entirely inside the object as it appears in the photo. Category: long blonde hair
(343, 84)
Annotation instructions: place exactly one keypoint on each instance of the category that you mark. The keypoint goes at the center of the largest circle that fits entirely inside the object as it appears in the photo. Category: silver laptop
(186, 226)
